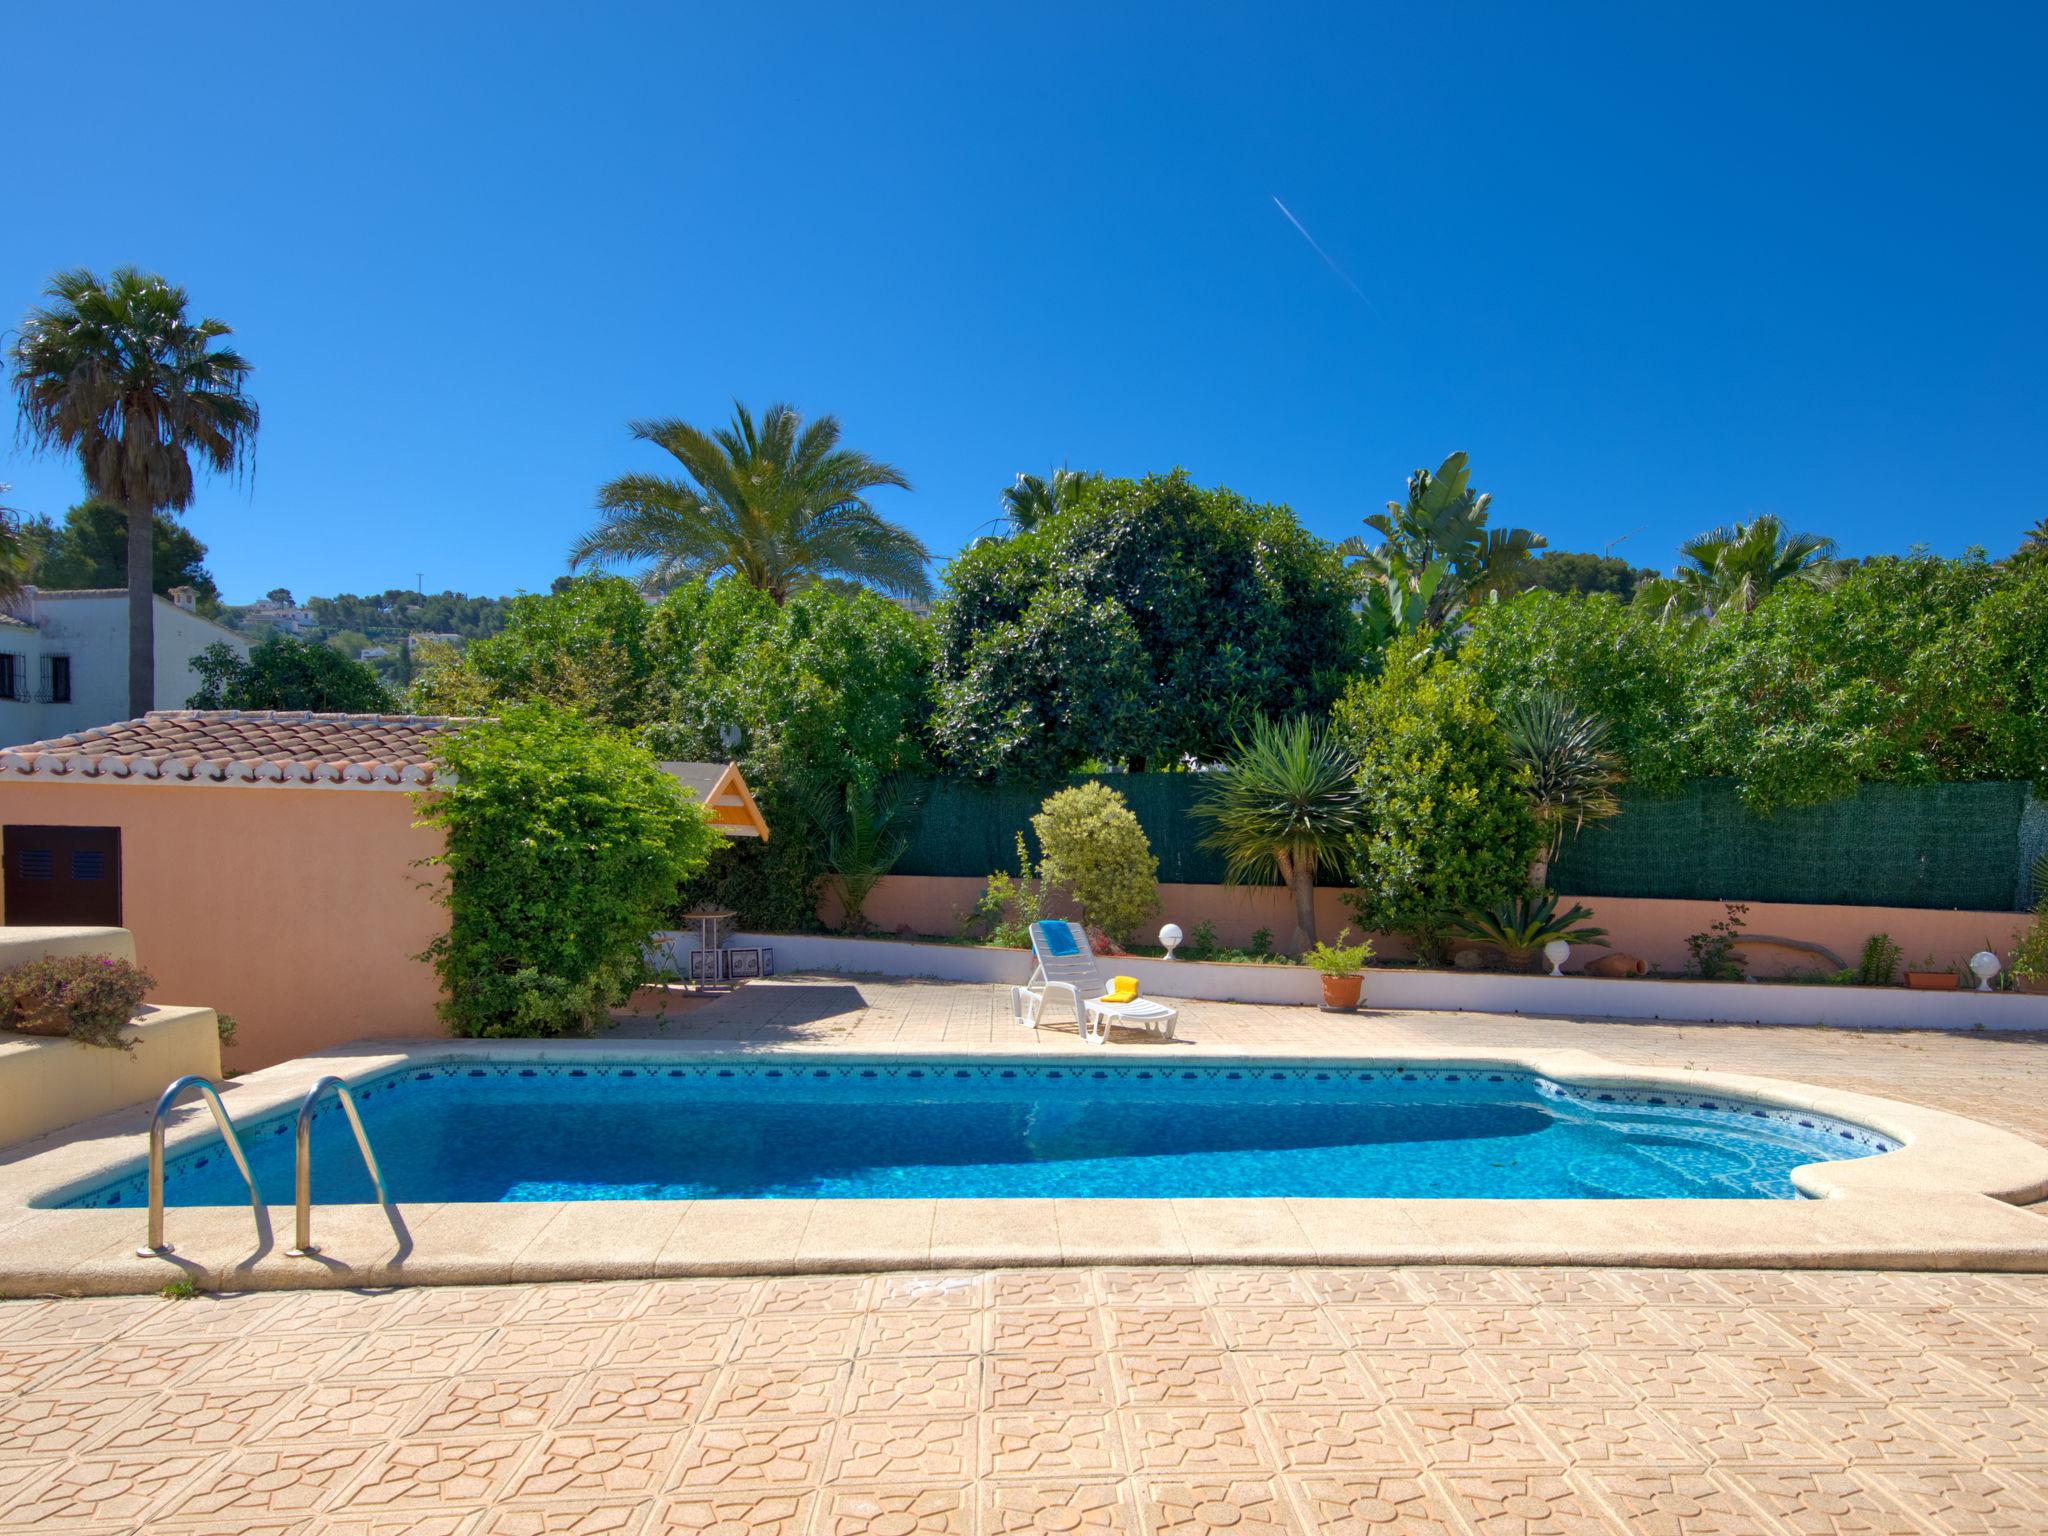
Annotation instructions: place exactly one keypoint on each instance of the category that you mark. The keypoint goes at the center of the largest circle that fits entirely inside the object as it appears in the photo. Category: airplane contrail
(1327, 261)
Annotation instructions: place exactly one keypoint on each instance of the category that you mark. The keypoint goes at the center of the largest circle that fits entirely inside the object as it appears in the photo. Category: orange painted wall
(296, 910)
(1653, 930)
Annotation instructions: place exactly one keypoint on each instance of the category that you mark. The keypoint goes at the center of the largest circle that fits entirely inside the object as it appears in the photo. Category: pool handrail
(156, 1247)
(303, 1176)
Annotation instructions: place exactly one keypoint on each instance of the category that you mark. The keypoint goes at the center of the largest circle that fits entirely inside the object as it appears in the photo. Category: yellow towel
(1122, 989)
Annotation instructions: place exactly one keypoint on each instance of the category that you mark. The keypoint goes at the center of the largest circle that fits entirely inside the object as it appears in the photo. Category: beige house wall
(298, 911)
(1653, 930)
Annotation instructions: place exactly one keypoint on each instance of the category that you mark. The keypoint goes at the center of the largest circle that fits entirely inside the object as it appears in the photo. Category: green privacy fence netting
(1892, 845)
(1887, 845)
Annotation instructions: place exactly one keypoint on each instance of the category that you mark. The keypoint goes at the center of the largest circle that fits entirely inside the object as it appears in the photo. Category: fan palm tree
(115, 372)
(1287, 804)
(777, 504)
(1572, 773)
(1443, 520)
(14, 551)
(1731, 570)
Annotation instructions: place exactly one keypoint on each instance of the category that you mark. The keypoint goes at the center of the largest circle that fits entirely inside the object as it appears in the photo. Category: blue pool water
(721, 1130)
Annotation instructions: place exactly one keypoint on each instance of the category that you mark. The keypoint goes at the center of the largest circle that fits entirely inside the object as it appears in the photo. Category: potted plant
(1927, 976)
(1340, 965)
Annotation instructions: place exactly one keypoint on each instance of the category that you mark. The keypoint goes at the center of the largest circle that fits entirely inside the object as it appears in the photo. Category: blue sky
(1653, 267)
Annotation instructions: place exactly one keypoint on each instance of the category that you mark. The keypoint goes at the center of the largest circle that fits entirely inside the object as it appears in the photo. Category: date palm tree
(116, 373)
(776, 503)
(14, 551)
(1286, 804)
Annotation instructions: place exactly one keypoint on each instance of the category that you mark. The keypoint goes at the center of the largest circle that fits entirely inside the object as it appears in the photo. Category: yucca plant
(1285, 806)
(1520, 926)
(1572, 773)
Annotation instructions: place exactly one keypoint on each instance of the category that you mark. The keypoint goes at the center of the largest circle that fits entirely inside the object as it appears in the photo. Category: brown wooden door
(63, 877)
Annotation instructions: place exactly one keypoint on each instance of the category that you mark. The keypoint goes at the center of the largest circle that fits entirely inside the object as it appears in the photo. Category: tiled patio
(1441, 1401)
(1167, 1401)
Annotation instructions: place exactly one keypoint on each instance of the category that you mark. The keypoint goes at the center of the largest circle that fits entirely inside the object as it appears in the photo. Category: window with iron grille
(56, 687)
(13, 675)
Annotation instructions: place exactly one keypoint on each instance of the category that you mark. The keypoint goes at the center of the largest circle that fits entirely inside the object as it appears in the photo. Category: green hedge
(1888, 845)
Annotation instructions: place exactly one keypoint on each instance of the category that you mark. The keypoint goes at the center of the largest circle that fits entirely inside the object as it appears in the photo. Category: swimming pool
(465, 1130)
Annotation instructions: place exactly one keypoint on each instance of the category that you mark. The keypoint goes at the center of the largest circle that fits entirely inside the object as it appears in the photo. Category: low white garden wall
(1584, 997)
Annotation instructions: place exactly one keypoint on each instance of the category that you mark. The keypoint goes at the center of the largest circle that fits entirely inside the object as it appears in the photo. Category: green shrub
(1010, 904)
(283, 672)
(1449, 829)
(2030, 956)
(1096, 849)
(1878, 966)
(1149, 621)
(1713, 952)
(87, 998)
(565, 848)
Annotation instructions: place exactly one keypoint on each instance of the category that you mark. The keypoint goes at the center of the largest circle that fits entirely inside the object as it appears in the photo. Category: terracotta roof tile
(242, 747)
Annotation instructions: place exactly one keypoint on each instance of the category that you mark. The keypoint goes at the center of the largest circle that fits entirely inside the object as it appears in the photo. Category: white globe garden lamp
(1556, 952)
(1170, 936)
(1984, 966)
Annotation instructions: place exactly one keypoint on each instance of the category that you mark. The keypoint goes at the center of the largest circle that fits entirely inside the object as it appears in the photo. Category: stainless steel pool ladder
(156, 1247)
(302, 1247)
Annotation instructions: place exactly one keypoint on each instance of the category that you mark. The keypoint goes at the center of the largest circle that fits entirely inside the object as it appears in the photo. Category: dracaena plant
(1571, 771)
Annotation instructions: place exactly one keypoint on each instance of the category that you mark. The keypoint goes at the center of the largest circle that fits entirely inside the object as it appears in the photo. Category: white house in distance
(64, 659)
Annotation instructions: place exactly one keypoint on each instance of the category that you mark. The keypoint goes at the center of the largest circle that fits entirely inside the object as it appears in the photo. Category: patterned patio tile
(936, 1384)
(1047, 1382)
(1293, 1377)
(202, 1419)
(1874, 1432)
(472, 1405)
(1476, 1436)
(63, 1423)
(1551, 1375)
(1043, 1288)
(770, 1392)
(759, 1514)
(1243, 1506)
(614, 1518)
(606, 1464)
(543, 1347)
(602, 1302)
(1823, 1503)
(905, 1450)
(117, 1491)
(1044, 1447)
(23, 1366)
(1680, 1503)
(1528, 1504)
(1469, 1287)
(1373, 1504)
(1177, 1376)
(419, 1473)
(1429, 1376)
(666, 1341)
(257, 1483)
(1193, 1441)
(1044, 1330)
(1336, 1440)
(1265, 1288)
(1611, 1434)
(642, 1398)
(895, 1512)
(743, 1456)
(1745, 1433)
(1044, 1509)
(1277, 1328)
(942, 1332)
(1963, 1502)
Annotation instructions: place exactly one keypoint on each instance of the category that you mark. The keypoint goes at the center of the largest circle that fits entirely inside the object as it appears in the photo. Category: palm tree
(114, 372)
(1572, 773)
(14, 551)
(1443, 520)
(776, 504)
(1731, 570)
(1035, 498)
(1287, 804)
(2034, 543)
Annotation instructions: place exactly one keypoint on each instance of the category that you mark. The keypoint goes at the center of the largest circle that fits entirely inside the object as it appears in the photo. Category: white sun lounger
(1067, 966)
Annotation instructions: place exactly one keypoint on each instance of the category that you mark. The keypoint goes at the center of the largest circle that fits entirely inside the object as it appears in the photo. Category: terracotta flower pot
(1932, 981)
(1340, 993)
